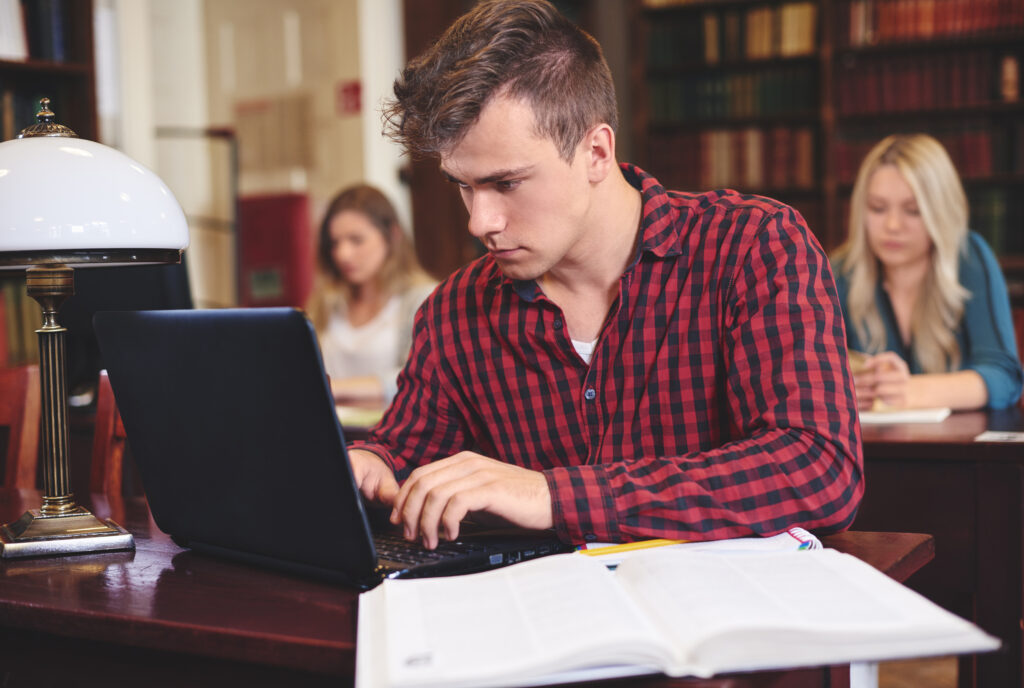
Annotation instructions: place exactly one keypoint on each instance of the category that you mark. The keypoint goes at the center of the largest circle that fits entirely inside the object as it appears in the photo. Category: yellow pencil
(630, 546)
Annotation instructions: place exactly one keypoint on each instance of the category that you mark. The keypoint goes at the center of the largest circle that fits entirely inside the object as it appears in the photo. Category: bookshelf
(59, 64)
(48, 51)
(951, 68)
(731, 95)
(785, 97)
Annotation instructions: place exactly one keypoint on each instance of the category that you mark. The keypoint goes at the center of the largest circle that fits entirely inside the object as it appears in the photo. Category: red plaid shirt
(718, 402)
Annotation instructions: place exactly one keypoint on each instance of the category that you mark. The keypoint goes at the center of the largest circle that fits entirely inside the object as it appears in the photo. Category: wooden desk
(166, 616)
(934, 478)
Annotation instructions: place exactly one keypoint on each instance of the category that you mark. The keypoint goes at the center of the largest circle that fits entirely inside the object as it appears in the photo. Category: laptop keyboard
(396, 548)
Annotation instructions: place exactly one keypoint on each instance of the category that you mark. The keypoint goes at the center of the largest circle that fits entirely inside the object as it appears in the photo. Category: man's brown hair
(524, 49)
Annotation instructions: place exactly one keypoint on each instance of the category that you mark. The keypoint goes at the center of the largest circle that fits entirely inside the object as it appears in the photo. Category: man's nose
(485, 215)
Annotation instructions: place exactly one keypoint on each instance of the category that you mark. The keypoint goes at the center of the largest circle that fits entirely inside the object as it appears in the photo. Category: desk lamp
(69, 203)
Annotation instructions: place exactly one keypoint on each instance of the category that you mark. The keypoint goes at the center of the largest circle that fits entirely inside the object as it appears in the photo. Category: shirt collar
(659, 229)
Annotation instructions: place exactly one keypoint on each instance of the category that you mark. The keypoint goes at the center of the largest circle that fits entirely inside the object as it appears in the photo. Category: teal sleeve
(990, 347)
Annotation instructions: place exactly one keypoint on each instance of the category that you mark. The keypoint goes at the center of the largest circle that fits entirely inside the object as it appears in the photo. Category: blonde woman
(367, 289)
(921, 294)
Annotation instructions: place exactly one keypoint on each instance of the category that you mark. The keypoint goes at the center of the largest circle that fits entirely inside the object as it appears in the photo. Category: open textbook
(569, 618)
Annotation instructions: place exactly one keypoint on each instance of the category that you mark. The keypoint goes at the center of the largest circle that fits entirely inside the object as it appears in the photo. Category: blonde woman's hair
(400, 270)
(942, 203)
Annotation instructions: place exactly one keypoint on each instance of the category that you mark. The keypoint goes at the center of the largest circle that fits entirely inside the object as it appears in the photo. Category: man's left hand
(436, 497)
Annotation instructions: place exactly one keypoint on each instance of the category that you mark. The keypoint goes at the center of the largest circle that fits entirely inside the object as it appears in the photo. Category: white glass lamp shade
(82, 199)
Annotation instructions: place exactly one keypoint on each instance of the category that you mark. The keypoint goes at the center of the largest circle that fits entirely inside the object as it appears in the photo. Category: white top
(379, 347)
(585, 349)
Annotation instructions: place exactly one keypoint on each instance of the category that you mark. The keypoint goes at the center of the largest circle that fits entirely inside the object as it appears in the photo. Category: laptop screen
(232, 425)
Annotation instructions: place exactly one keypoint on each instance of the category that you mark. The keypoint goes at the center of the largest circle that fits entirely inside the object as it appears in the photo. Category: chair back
(108, 442)
(20, 403)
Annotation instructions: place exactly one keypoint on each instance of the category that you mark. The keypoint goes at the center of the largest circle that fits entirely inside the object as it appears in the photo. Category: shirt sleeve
(990, 344)
(785, 390)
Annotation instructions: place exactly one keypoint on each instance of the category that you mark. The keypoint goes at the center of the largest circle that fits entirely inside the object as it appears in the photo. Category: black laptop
(232, 426)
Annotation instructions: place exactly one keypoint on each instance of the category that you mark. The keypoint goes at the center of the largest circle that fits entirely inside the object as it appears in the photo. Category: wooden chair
(108, 442)
(20, 404)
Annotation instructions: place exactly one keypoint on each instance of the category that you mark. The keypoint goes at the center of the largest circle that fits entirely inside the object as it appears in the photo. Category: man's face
(526, 204)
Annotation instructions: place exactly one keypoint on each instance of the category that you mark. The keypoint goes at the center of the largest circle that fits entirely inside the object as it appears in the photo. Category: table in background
(935, 478)
(357, 418)
(164, 616)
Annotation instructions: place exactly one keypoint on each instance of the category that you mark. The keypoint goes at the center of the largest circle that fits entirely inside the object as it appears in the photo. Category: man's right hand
(373, 477)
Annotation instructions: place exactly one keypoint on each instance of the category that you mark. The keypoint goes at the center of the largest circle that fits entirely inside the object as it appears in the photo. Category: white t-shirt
(585, 349)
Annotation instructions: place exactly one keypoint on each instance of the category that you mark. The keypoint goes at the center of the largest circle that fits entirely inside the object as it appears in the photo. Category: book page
(787, 609)
(555, 613)
(924, 415)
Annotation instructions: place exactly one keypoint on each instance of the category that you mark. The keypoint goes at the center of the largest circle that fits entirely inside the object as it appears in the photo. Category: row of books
(980, 148)
(750, 159)
(21, 318)
(755, 33)
(32, 29)
(869, 22)
(997, 213)
(779, 91)
(916, 82)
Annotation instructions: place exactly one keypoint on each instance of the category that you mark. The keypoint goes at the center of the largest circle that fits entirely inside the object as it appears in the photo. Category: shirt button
(590, 394)
(589, 537)
(558, 323)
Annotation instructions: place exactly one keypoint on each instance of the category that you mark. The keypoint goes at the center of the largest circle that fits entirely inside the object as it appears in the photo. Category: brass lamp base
(74, 532)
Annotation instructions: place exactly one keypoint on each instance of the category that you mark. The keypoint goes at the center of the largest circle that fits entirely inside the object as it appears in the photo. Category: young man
(625, 362)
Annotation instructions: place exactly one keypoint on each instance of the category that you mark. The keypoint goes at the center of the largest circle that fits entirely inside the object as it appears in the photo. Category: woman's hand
(883, 381)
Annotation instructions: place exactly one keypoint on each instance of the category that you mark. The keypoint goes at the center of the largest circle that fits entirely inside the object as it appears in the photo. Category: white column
(381, 58)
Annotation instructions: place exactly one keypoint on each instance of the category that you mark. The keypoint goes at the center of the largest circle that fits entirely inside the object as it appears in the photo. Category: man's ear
(599, 148)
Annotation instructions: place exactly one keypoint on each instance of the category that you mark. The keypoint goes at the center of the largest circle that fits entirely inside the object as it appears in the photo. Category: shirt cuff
(582, 505)
(384, 454)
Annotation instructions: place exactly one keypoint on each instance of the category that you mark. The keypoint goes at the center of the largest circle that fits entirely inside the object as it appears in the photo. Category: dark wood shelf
(989, 181)
(728, 66)
(797, 119)
(1011, 40)
(46, 67)
(993, 109)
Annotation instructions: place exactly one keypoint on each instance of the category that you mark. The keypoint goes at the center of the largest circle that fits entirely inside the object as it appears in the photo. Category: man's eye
(507, 184)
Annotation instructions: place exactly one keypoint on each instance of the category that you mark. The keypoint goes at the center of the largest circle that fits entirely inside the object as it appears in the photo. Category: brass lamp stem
(51, 286)
(59, 526)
